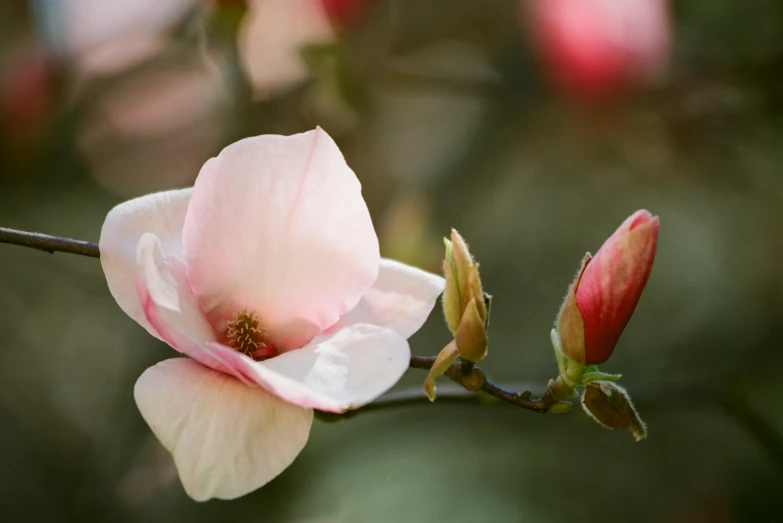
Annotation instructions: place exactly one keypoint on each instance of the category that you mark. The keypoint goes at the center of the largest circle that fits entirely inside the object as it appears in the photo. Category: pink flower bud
(603, 297)
(594, 48)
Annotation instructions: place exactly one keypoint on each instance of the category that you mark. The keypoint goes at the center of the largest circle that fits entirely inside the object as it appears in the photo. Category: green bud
(465, 304)
(471, 336)
(452, 298)
(610, 406)
(473, 291)
(461, 258)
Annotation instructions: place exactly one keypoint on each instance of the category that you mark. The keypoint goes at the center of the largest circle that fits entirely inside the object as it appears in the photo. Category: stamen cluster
(245, 335)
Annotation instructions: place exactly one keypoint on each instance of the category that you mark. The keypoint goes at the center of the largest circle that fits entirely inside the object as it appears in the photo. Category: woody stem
(474, 380)
(50, 244)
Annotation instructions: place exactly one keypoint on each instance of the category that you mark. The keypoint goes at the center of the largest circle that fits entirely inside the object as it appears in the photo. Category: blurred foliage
(444, 116)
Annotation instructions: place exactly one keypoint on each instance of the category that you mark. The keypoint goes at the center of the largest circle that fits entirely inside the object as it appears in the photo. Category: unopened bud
(452, 297)
(465, 305)
(471, 336)
(611, 407)
(607, 288)
(473, 291)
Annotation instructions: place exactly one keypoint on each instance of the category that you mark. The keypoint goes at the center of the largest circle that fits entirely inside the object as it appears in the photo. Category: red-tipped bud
(604, 295)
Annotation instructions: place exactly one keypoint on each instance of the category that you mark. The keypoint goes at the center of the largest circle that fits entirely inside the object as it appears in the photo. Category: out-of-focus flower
(268, 275)
(602, 299)
(594, 48)
(27, 82)
(271, 38)
(106, 37)
(274, 33)
(153, 130)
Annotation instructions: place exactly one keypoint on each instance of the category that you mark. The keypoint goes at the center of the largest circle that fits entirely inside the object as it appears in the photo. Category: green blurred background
(444, 113)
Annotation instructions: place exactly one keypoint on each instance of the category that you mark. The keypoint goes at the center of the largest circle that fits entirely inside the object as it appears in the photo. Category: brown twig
(475, 380)
(50, 244)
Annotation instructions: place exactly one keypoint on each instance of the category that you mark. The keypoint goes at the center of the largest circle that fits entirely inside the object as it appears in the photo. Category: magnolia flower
(593, 48)
(601, 301)
(267, 275)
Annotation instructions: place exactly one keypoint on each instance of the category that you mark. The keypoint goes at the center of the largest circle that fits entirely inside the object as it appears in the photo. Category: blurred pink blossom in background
(27, 83)
(156, 128)
(105, 37)
(592, 49)
(271, 39)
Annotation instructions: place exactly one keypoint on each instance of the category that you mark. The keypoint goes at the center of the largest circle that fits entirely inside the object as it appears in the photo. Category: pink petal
(172, 309)
(401, 299)
(334, 373)
(161, 214)
(227, 439)
(278, 225)
(271, 38)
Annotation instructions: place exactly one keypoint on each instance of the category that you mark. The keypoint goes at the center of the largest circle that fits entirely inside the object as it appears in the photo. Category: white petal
(401, 299)
(335, 373)
(161, 214)
(278, 225)
(227, 439)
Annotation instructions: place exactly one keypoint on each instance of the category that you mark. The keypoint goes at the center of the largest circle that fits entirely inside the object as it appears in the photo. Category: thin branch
(475, 380)
(50, 244)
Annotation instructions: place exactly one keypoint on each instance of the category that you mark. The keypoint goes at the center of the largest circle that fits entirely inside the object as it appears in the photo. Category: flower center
(245, 335)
